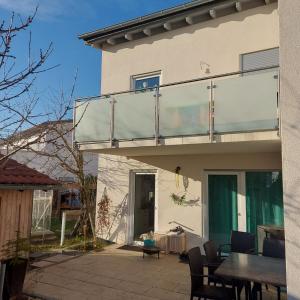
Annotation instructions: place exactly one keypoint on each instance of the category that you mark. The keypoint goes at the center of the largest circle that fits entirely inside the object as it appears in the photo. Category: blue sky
(60, 21)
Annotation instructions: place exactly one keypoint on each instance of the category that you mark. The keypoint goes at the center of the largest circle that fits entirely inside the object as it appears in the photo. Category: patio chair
(198, 288)
(212, 257)
(240, 242)
(277, 234)
(272, 248)
(213, 262)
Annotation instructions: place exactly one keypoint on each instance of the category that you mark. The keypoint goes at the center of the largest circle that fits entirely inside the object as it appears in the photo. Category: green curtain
(264, 199)
(222, 193)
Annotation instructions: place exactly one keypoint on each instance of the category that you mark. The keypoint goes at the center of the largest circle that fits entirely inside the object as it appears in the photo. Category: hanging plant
(177, 199)
(177, 174)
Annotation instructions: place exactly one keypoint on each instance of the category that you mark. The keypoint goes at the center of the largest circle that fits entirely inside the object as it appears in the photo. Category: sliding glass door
(242, 201)
(264, 199)
(223, 215)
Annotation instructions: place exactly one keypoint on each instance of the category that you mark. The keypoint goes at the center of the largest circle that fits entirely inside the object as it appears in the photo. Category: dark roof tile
(14, 173)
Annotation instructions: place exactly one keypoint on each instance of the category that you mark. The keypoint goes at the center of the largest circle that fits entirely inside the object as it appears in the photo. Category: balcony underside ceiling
(230, 144)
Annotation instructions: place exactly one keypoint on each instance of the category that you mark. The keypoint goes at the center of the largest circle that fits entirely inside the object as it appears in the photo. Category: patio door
(226, 205)
(241, 201)
(142, 205)
(264, 199)
(222, 193)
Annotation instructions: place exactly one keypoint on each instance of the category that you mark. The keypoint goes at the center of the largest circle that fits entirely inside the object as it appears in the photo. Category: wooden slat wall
(15, 207)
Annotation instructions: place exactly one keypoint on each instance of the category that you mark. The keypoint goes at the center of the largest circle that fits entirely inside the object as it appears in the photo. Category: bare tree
(18, 100)
(18, 111)
(60, 153)
(18, 104)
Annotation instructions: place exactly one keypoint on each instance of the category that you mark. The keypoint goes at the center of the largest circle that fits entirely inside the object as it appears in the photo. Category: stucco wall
(50, 165)
(290, 111)
(209, 48)
(182, 54)
(114, 174)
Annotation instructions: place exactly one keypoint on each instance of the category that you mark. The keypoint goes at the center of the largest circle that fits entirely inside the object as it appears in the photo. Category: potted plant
(16, 252)
(148, 239)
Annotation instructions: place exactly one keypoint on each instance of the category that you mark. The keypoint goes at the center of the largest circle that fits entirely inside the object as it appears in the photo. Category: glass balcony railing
(236, 102)
(184, 110)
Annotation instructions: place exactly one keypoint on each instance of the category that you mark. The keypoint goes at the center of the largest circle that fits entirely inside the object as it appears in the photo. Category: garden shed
(17, 185)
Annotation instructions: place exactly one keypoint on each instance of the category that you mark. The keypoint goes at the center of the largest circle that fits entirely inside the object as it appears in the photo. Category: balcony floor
(226, 143)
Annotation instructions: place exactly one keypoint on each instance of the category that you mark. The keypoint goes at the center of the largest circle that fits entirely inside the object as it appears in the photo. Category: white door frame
(131, 198)
(241, 201)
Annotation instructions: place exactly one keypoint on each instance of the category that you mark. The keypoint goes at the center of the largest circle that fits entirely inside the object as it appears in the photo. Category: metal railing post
(112, 121)
(74, 125)
(157, 95)
(211, 111)
(278, 103)
(63, 227)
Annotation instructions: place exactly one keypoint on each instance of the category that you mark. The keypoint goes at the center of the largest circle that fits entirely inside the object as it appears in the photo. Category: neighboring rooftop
(33, 131)
(13, 173)
(37, 129)
(169, 19)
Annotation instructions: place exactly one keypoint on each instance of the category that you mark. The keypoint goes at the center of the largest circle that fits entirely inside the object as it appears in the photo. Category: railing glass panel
(184, 109)
(246, 103)
(134, 115)
(242, 103)
(93, 120)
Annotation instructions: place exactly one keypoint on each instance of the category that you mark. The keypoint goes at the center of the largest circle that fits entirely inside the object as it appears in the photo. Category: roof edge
(166, 20)
(29, 187)
(158, 14)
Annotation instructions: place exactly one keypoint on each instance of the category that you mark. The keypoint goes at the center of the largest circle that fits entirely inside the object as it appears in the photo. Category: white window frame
(145, 76)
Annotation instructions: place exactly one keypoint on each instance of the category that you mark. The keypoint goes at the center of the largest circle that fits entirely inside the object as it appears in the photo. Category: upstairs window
(260, 59)
(146, 82)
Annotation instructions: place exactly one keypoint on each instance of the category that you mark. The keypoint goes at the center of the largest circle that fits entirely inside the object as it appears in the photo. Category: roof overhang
(21, 187)
(177, 17)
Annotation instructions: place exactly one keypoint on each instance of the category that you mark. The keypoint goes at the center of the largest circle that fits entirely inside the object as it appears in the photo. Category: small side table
(150, 250)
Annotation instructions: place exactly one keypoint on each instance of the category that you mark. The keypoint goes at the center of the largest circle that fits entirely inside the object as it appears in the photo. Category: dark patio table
(150, 250)
(254, 268)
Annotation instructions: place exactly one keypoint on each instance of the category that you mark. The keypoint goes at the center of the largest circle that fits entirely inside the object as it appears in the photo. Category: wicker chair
(213, 262)
(198, 288)
(271, 248)
(240, 242)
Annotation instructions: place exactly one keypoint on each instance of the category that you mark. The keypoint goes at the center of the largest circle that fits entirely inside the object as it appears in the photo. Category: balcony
(235, 107)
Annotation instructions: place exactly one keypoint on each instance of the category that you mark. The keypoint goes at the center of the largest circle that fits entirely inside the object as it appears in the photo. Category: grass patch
(76, 243)
(56, 226)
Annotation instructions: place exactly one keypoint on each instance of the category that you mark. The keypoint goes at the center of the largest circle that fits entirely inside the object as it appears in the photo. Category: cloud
(48, 9)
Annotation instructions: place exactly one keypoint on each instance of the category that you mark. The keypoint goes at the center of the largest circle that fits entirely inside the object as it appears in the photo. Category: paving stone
(132, 287)
(114, 274)
(58, 258)
(166, 295)
(41, 264)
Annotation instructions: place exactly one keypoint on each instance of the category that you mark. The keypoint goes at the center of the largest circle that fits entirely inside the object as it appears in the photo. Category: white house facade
(189, 125)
